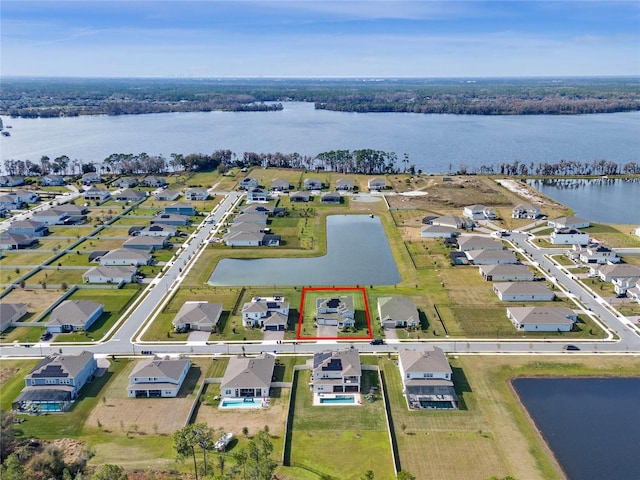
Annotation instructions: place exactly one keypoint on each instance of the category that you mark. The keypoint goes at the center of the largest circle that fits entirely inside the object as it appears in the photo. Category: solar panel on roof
(51, 371)
(272, 305)
(334, 365)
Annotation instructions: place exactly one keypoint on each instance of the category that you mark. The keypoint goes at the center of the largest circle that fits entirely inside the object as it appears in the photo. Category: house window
(427, 375)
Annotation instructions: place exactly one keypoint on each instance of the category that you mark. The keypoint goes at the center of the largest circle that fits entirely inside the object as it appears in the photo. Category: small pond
(358, 253)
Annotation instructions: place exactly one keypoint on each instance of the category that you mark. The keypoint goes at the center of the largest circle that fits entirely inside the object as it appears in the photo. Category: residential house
(634, 292)
(96, 194)
(246, 227)
(180, 208)
(52, 216)
(12, 241)
(595, 253)
(506, 273)
(9, 202)
(344, 184)
(248, 377)
(376, 184)
(29, 228)
(269, 313)
(476, 242)
(395, 312)
(11, 180)
(73, 316)
(260, 209)
(54, 384)
(427, 378)
(247, 183)
(24, 196)
(153, 181)
(609, 273)
(451, 221)
(569, 222)
(196, 194)
(115, 275)
(126, 182)
(280, 184)
(437, 231)
(73, 210)
(158, 377)
(569, 236)
(157, 230)
(256, 218)
(299, 197)
(130, 195)
(525, 210)
(622, 285)
(336, 372)
(491, 257)
(170, 219)
(330, 198)
(52, 181)
(542, 319)
(257, 195)
(243, 239)
(90, 178)
(479, 212)
(145, 243)
(125, 256)
(523, 292)
(335, 311)
(312, 184)
(200, 316)
(11, 312)
(166, 195)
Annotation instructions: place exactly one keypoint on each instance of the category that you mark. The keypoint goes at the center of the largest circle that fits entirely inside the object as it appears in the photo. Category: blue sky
(319, 39)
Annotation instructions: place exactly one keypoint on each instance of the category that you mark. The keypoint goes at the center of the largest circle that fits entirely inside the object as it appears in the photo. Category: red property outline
(335, 289)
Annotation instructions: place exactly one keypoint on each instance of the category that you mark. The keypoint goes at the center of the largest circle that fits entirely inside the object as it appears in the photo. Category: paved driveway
(326, 331)
(271, 335)
(198, 336)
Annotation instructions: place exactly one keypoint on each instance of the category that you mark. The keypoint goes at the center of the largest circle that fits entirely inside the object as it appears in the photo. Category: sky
(155, 38)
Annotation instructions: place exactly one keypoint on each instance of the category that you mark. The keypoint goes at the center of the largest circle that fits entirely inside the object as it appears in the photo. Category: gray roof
(145, 240)
(160, 368)
(330, 195)
(476, 255)
(246, 227)
(73, 312)
(27, 224)
(243, 236)
(397, 308)
(280, 182)
(198, 313)
(72, 209)
(476, 242)
(57, 365)
(8, 310)
(542, 315)
(508, 269)
(521, 287)
(258, 218)
(249, 372)
(169, 217)
(347, 361)
(429, 359)
(126, 254)
(438, 229)
(111, 271)
(275, 318)
(130, 193)
(449, 220)
(342, 182)
(620, 270)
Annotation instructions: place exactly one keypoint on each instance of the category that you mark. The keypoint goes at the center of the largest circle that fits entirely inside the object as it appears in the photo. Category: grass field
(308, 329)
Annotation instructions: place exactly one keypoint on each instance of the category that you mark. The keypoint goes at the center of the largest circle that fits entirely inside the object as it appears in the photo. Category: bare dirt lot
(37, 300)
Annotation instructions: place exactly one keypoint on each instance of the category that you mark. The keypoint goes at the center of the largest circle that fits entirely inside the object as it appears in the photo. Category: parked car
(571, 348)
(377, 341)
(46, 336)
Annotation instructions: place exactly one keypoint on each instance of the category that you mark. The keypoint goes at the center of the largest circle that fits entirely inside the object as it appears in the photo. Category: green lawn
(309, 312)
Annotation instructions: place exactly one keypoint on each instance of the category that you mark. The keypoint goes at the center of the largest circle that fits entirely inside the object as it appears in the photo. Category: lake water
(434, 143)
(599, 200)
(358, 253)
(592, 425)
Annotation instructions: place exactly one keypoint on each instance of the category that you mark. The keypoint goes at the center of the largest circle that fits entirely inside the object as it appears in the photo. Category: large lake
(358, 253)
(592, 425)
(434, 143)
(599, 200)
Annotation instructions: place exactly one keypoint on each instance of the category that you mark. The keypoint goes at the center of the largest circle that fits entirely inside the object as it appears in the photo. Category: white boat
(223, 441)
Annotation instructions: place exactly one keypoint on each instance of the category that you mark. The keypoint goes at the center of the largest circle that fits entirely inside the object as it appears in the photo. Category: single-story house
(73, 316)
(479, 212)
(130, 195)
(90, 178)
(126, 182)
(312, 184)
(491, 257)
(609, 273)
(95, 194)
(109, 275)
(376, 184)
(451, 221)
(243, 239)
(344, 184)
(542, 319)
(158, 377)
(396, 312)
(246, 227)
(52, 216)
(335, 311)
(11, 312)
(9, 202)
(52, 181)
(569, 222)
(259, 209)
(568, 236)
(170, 219)
(73, 210)
(257, 195)
(476, 242)
(193, 194)
(24, 196)
(167, 195)
(256, 218)
(201, 316)
(157, 230)
(427, 378)
(280, 184)
(269, 313)
(336, 372)
(525, 210)
(125, 256)
(153, 181)
(180, 208)
(523, 292)
(248, 377)
(247, 183)
(11, 180)
(506, 273)
(145, 243)
(437, 231)
(12, 241)
(29, 228)
(330, 197)
(299, 197)
(54, 384)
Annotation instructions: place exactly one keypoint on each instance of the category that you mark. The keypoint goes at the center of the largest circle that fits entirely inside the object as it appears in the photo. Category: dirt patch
(37, 300)
(7, 372)
(71, 449)
(523, 190)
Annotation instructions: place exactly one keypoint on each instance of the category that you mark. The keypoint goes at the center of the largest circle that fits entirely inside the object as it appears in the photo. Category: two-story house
(336, 372)
(158, 377)
(73, 316)
(269, 313)
(335, 311)
(426, 378)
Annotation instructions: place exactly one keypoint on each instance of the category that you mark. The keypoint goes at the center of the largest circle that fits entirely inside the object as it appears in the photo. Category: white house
(525, 210)
(90, 178)
(479, 212)
(52, 216)
(506, 273)
(73, 316)
(247, 183)
(157, 230)
(158, 378)
(130, 195)
(312, 184)
(542, 319)
(114, 275)
(376, 184)
(193, 194)
(523, 292)
(395, 312)
(280, 184)
(344, 184)
(201, 316)
(596, 253)
(257, 195)
(427, 378)
(52, 180)
(248, 377)
(335, 311)
(270, 313)
(569, 222)
(336, 372)
(96, 194)
(609, 273)
(569, 236)
(450, 221)
(153, 181)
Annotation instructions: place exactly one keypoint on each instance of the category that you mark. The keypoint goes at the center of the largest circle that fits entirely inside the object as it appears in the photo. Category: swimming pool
(338, 400)
(242, 403)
